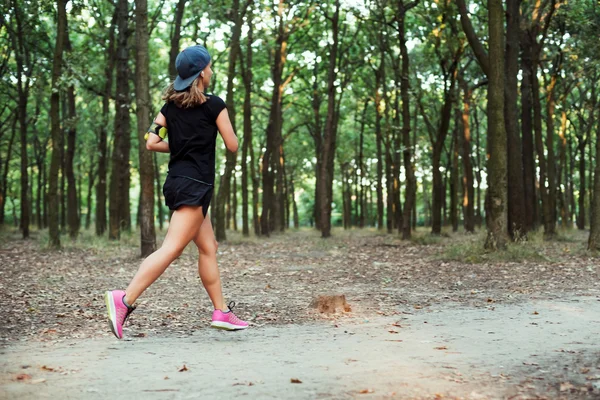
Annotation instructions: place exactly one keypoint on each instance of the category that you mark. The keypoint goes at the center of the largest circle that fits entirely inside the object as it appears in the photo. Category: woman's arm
(226, 131)
(154, 142)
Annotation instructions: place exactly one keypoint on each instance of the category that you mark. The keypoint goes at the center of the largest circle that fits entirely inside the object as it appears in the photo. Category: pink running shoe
(227, 320)
(118, 311)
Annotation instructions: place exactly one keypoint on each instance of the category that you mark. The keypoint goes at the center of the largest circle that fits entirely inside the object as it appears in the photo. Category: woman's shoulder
(214, 99)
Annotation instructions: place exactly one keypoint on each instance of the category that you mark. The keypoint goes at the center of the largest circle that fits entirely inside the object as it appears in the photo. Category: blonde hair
(190, 97)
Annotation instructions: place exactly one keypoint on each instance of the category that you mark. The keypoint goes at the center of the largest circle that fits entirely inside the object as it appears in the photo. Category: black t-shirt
(192, 138)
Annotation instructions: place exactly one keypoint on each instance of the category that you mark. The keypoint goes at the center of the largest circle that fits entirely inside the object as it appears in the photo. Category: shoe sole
(112, 314)
(227, 326)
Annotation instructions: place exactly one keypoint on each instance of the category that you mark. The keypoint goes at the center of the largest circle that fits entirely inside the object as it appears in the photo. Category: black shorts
(180, 191)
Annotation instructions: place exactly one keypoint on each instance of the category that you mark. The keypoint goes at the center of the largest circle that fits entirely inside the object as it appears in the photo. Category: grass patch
(426, 238)
(473, 252)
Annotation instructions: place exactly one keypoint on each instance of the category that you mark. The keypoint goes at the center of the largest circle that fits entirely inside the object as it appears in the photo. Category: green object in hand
(157, 129)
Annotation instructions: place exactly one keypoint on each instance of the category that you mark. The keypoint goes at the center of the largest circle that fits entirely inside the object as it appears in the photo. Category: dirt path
(421, 325)
(500, 351)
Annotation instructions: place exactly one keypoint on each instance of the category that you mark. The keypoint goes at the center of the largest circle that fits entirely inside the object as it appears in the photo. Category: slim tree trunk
(176, 37)
(497, 170)
(294, 205)
(529, 191)
(4, 182)
(247, 141)
(407, 152)
(119, 184)
(91, 179)
(552, 176)
(565, 213)
(454, 173)
(468, 188)
(102, 140)
(53, 217)
(329, 133)
(142, 95)
(361, 167)
(379, 144)
(594, 239)
(24, 71)
(270, 217)
(225, 181)
(73, 217)
(516, 187)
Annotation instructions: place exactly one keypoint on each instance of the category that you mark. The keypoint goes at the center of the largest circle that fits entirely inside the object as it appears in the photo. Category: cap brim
(182, 84)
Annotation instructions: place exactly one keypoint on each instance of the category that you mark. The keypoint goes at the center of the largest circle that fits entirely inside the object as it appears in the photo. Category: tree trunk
(102, 141)
(479, 216)
(294, 205)
(468, 188)
(361, 167)
(255, 184)
(552, 178)
(582, 188)
(73, 217)
(379, 144)
(119, 183)
(438, 146)
(53, 217)
(270, 217)
(594, 239)
(497, 185)
(176, 37)
(454, 173)
(529, 190)
(565, 213)
(4, 182)
(411, 182)
(24, 71)
(516, 187)
(247, 141)
(143, 103)
(91, 179)
(225, 181)
(317, 135)
(330, 131)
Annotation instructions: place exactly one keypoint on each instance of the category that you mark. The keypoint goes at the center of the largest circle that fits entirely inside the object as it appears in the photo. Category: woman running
(193, 119)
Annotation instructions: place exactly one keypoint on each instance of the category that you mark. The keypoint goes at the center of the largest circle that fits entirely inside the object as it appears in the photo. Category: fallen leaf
(141, 334)
(566, 386)
(50, 369)
(536, 313)
(295, 380)
(365, 391)
(397, 324)
(23, 377)
(393, 331)
(36, 381)
(184, 368)
(166, 377)
(441, 348)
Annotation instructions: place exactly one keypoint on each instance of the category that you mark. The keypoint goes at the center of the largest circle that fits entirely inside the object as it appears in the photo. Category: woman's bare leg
(207, 264)
(182, 229)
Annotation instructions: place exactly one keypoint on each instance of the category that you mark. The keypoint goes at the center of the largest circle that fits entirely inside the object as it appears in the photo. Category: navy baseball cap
(189, 63)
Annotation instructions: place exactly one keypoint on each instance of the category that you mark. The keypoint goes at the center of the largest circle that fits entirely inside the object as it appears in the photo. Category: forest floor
(431, 318)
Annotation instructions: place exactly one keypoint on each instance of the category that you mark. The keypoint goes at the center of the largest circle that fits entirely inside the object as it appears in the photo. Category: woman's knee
(208, 247)
(173, 251)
